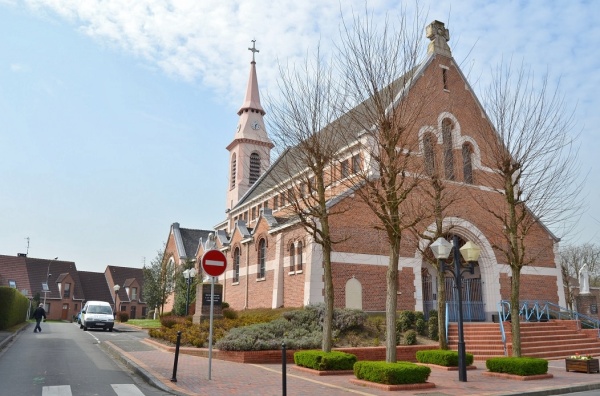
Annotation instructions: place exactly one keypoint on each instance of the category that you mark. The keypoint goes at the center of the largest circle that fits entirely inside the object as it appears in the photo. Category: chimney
(21, 254)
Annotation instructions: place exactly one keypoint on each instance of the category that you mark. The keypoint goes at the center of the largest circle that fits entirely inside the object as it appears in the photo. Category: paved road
(62, 361)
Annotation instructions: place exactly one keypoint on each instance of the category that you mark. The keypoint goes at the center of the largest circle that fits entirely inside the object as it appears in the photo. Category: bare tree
(301, 123)
(377, 61)
(533, 168)
(572, 258)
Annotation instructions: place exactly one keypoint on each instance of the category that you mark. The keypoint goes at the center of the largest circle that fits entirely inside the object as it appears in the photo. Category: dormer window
(12, 283)
(134, 293)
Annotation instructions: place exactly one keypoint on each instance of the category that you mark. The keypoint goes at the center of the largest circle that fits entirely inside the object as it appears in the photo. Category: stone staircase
(555, 339)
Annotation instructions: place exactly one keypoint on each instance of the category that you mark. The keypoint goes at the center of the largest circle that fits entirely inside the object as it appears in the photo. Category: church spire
(252, 101)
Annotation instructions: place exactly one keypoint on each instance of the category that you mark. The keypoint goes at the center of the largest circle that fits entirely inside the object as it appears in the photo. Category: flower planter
(583, 365)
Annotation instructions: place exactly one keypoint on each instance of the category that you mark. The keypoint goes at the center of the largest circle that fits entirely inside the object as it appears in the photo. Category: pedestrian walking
(38, 314)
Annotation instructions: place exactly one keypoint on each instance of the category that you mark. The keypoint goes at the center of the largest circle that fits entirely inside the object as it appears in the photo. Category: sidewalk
(228, 378)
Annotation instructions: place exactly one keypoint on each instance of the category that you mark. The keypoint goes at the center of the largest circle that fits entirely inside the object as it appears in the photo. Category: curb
(144, 374)
(9, 339)
(557, 391)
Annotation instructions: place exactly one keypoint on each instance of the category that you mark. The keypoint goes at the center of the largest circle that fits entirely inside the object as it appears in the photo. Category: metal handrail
(545, 310)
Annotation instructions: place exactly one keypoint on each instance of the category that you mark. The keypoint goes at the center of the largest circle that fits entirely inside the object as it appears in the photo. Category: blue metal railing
(540, 311)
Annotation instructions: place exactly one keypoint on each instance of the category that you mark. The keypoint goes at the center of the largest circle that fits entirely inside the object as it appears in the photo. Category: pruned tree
(377, 60)
(533, 167)
(572, 259)
(158, 281)
(301, 124)
(436, 199)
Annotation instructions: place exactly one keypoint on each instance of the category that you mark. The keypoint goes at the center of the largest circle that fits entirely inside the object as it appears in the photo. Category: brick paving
(229, 378)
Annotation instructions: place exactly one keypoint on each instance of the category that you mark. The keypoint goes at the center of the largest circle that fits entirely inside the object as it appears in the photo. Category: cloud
(18, 68)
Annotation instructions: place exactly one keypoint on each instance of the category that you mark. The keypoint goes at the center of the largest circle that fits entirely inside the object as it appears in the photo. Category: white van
(97, 314)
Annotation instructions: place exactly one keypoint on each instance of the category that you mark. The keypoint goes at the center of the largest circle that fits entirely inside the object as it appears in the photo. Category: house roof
(95, 286)
(38, 270)
(125, 276)
(14, 269)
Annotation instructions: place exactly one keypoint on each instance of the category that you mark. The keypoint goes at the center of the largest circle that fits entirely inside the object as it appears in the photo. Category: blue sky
(114, 120)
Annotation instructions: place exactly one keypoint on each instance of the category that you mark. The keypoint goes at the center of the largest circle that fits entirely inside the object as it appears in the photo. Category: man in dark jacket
(38, 314)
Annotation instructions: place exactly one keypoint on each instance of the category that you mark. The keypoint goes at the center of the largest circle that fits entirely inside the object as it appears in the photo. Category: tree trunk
(328, 319)
(441, 307)
(514, 313)
(391, 302)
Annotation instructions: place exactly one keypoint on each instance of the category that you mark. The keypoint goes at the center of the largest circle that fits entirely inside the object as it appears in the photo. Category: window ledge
(292, 273)
(235, 283)
(261, 279)
(299, 272)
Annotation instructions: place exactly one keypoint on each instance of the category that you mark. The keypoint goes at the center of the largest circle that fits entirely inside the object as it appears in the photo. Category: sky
(114, 115)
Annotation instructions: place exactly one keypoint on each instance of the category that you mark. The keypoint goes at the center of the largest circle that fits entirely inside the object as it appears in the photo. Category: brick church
(273, 262)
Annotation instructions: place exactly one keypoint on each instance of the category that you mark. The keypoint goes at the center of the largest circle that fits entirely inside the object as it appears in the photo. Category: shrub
(410, 337)
(421, 326)
(229, 313)
(224, 305)
(170, 321)
(319, 360)
(442, 357)
(517, 365)
(123, 317)
(391, 373)
(406, 320)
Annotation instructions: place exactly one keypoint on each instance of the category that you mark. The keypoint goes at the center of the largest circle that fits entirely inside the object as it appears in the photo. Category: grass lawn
(144, 323)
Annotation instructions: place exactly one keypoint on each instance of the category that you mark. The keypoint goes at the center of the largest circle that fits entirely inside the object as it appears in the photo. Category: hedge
(391, 373)
(442, 357)
(517, 365)
(319, 360)
(13, 307)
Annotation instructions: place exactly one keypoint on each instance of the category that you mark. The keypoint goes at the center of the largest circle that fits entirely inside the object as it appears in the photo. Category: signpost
(214, 264)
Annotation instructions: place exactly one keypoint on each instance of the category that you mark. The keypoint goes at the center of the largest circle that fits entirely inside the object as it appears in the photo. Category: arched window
(262, 252)
(292, 257)
(233, 171)
(467, 164)
(448, 153)
(236, 265)
(429, 154)
(254, 167)
(299, 254)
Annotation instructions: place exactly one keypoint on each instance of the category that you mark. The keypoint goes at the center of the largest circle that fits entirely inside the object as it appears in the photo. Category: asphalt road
(63, 360)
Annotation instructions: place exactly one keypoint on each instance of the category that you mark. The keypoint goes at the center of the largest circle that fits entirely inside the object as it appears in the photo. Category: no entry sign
(214, 262)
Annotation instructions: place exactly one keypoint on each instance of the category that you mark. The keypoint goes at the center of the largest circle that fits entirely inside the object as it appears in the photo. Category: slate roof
(14, 268)
(191, 240)
(37, 270)
(96, 287)
(124, 276)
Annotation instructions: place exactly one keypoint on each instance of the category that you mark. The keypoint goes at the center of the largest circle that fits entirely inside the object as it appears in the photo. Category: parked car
(97, 314)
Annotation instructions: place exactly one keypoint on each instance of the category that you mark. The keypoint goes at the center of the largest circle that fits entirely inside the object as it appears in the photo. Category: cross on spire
(253, 49)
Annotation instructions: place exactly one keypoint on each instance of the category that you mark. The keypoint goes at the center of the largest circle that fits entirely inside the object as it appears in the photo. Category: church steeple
(252, 101)
(250, 150)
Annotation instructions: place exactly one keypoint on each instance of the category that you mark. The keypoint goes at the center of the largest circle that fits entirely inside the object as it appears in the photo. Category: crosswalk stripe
(62, 390)
(65, 390)
(126, 390)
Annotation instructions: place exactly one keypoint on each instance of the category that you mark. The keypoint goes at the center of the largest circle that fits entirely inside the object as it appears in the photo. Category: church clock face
(255, 125)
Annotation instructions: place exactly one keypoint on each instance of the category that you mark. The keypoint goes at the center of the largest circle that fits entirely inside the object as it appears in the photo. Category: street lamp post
(441, 250)
(189, 275)
(116, 289)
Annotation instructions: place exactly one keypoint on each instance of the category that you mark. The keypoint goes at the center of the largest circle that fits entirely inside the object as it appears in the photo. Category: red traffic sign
(214, 262)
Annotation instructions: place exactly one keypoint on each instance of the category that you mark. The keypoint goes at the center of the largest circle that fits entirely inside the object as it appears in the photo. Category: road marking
(126, 390)
(65, 390)
(62, 390)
